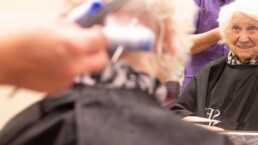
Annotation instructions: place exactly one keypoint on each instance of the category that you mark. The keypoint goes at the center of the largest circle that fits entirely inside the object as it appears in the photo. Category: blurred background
(13, 100)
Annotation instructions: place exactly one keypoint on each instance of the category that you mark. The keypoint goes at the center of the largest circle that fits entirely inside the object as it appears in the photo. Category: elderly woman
(226, 89)
(117, 106)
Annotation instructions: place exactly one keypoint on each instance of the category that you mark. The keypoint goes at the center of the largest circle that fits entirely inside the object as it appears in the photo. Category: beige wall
(7, 6)
(14, 100)
(11, 103)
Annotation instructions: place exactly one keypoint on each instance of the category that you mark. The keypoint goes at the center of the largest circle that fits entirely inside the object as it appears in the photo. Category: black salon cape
(89, 116)
(229, 90)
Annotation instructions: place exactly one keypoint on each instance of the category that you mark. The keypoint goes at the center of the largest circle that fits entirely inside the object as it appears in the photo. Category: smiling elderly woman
(118, 106)
(226, 89)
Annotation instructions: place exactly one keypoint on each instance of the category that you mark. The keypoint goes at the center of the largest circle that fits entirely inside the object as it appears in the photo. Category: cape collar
(232, 59)
(121, 75)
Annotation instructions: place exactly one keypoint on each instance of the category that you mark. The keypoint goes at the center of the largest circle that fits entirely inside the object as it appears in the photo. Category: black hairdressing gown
(223, 92)
(99, 116)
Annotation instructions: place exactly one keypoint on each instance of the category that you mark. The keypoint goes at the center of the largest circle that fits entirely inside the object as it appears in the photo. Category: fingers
(95, 40)
(87, 49)
(85, 41)
(93, 50)
(94, 62)
(88, 63)
(212, 128)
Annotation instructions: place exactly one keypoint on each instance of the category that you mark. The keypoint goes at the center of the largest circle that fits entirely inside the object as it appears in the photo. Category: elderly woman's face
(243, 36)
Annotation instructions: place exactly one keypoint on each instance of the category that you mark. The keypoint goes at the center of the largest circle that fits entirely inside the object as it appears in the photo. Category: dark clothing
(89, 116)
(223, 92)
(118, 108)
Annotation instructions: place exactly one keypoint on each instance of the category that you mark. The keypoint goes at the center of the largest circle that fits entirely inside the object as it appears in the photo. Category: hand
(196, 119)
(46, 53)
(212, 128)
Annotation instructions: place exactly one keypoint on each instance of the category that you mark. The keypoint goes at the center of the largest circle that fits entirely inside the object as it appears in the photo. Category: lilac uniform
(206, 20)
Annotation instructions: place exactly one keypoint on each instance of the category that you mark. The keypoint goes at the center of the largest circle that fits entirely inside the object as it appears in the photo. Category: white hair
(156, 13)
(182, 14)
(247, 7)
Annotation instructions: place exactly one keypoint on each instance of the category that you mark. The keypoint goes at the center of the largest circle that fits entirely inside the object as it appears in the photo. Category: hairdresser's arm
(204, 40)
(46, 53)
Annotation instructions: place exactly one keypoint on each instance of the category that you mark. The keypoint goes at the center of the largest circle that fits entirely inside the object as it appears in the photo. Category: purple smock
(206, 19)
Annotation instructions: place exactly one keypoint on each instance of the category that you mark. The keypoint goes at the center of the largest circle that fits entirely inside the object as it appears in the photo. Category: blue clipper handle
(95, 11)
(85, 14)
(85, 19)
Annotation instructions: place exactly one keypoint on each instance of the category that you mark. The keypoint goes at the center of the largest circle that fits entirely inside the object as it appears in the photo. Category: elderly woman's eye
(252, 29)
(235, 28)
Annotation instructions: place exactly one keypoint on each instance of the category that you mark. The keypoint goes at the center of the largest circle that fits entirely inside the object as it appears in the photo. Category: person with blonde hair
(226, 89)
(121, 104)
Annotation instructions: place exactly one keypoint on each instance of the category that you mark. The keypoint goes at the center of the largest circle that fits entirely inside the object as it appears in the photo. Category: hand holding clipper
(131, 37)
